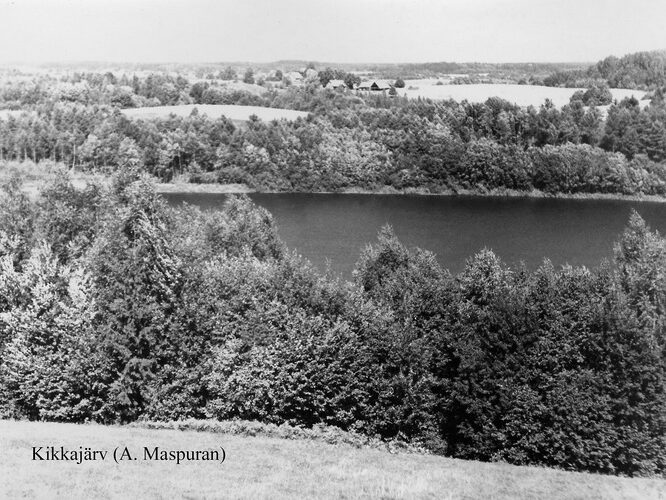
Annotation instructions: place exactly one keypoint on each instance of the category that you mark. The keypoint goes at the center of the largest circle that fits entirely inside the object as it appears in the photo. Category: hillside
(258, 467)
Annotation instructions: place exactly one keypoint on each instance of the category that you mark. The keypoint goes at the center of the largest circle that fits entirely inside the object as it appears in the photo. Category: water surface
(335, 227)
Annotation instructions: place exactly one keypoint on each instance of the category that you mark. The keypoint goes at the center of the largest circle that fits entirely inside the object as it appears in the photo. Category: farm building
(374, 86)
(336, 84)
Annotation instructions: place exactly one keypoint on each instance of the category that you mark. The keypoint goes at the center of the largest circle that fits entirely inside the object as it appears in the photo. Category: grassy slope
(258, 467)
(235, 113)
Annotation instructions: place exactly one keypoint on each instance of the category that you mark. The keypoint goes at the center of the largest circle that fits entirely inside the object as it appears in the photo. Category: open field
(258, 467)
(233, 112)
(6, 113)
(523, 95)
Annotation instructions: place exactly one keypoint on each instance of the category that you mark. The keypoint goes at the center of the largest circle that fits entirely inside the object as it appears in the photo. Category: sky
(328, 30)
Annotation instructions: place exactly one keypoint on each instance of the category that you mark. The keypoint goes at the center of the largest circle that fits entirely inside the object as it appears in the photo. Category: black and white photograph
(333, 249)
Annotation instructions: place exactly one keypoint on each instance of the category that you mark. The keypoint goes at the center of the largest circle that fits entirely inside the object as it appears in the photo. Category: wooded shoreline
(189, 188)
(33, 185)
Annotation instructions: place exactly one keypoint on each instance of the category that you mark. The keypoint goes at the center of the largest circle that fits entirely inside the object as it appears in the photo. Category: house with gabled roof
(336, 85)
(374, 85)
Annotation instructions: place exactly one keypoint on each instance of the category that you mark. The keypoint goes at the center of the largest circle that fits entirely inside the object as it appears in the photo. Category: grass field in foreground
(259, 467)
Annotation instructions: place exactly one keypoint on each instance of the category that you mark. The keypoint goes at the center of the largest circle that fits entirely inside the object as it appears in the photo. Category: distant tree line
(641, 70)
(499, 71)
(115, 307)
(89, 89)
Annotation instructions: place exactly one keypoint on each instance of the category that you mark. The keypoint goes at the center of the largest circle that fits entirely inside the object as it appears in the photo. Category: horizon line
(284, 61)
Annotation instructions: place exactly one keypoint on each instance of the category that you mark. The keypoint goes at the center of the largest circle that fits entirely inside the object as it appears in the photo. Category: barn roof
(336, 83)
(383, 84)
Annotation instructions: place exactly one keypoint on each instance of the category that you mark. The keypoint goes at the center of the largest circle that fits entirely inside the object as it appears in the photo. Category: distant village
(326, 78)
(300, 78)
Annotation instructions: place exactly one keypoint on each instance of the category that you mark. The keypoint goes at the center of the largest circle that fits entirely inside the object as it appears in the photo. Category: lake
(335, 227)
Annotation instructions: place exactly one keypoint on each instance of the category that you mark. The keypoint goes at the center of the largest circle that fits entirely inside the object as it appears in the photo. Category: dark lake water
(335, 227)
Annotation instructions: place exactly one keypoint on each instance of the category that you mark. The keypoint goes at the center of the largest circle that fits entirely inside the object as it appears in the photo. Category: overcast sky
(328, 30)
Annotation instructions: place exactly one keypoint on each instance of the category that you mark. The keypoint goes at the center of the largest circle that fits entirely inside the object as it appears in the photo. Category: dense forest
(115, 307)
(349, 141)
